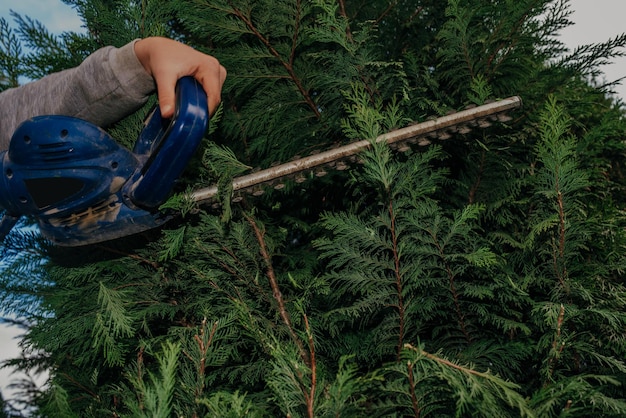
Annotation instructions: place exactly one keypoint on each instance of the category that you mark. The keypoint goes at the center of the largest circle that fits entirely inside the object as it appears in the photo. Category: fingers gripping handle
(168, 145)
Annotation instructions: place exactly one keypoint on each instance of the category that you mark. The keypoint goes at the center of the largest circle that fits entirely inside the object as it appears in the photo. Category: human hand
(167, 60)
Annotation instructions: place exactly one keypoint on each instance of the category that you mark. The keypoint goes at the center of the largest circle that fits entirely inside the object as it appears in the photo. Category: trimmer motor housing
(82, 187)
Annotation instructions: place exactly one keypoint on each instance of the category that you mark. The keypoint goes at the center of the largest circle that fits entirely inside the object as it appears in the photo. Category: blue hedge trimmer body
(82, 187)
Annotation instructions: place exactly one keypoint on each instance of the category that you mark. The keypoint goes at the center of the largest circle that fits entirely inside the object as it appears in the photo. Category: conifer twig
(294, 39)
(414, 402)
(557, 344)
(385, 12)
(76, 383)
(287, 64)
(417, 12)
(311, 396)
(278, 297)
(445, 362)
(560, 271)
(203, 348)
(344, 14)
(476, 184)
(453, 291)
(134, 256)
(396, 260)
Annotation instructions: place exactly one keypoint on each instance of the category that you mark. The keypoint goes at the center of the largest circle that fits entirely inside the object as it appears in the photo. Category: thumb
(167, 96)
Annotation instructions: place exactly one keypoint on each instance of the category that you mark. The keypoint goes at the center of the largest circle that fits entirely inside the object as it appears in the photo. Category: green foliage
(482, 275)
(10, 56)
(155, 392)
(112, 324)
(47, 52)
(231, 405)
(414, 387)
(496, 41)
(288, 65)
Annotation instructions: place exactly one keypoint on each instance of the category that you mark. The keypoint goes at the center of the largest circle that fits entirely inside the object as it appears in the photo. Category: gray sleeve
(109, 85)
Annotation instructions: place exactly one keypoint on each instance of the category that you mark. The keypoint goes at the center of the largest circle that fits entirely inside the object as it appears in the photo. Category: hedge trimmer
(82, 187)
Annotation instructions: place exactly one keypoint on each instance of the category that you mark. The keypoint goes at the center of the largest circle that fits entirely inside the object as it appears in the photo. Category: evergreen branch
(473, 390)
(390, 7)
(344, 14)
(203, 348)
(560, 273)
(111, 322)
(10, 54)
(155, 397)
(57, 402)
(452, 286)
(294, 38)
(480, 171)
(557, 345)
(589, 59)
(445, 362)
(509, 40)
(398, 277)
(461, 21)
(414, 402)
(278, 297)
(133, 256)
(227, 260)
(76, 383)
(418, 10)
(310, 397)
(286, 64)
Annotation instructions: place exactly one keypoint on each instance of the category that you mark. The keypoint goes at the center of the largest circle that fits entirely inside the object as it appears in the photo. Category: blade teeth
(483, 123)
(464, 129)
(344, 161)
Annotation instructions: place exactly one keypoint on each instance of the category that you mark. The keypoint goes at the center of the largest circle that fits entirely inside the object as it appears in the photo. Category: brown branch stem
(278, 297)
(311, 396)
(557, 350)
(344, 14)
(396, 261)
(453, 291)
(416, 408)
(479, 176)
(286, 64)
(445, 362)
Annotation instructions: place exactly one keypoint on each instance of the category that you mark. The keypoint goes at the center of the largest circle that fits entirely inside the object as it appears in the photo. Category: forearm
(110, 84)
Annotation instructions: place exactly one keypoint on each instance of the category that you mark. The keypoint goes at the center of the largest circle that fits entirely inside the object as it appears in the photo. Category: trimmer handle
(83, 187)
(167, 145)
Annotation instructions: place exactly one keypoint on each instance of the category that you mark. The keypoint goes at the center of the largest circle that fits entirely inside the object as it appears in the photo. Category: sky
(594, 21)
(598, 21)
